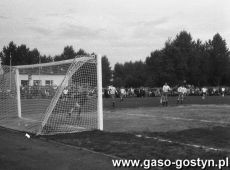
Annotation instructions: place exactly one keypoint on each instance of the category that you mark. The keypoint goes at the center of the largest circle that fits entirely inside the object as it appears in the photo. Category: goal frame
(82, 58)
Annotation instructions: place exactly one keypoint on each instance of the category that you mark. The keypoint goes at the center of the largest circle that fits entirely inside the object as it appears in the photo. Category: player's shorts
(165, 93)
(164, 96)
(113, 96)
(180, 96)
(122, 95)
(204, 93)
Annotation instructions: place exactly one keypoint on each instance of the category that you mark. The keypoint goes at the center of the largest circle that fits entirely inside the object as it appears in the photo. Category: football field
(138, 114)
(139, 128)
(166, 119)
(146, 114)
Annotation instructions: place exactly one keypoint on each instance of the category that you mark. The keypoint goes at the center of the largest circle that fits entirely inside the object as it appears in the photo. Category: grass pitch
(140, 128)
(134, 129)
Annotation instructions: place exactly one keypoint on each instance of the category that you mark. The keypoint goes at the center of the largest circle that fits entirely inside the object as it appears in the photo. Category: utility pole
(10, 71)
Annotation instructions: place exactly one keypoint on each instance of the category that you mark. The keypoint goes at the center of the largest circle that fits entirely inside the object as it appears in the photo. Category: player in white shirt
(122, 93)
(181, 93)
(223, 91)
(112, 93)
(65, 94)
(204, 92)
(165, 91)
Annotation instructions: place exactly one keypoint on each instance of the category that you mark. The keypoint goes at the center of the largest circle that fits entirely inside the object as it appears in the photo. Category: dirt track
(21, 153)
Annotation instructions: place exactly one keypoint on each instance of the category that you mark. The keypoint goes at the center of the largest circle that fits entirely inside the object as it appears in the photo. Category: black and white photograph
(114, 84)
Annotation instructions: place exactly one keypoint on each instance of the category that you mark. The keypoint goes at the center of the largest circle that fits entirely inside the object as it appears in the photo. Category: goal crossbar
(55, 63)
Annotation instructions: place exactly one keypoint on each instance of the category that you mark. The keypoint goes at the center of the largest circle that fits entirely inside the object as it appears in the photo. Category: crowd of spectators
(157, 91)
(35, 91)
(49, 91)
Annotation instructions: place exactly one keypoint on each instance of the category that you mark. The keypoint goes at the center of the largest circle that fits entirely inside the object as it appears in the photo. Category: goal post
(18, 93)
(99, 91)
(57, 97)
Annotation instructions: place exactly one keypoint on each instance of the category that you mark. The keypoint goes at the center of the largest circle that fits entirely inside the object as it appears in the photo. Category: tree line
(182, 58)
(22, 55)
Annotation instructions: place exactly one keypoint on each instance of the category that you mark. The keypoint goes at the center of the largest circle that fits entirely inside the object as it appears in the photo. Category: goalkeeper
(80, 98)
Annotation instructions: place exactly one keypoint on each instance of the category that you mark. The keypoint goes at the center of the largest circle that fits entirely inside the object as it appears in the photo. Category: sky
(123, 30)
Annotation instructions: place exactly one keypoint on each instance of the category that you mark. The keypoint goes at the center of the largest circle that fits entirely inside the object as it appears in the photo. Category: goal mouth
(50, 98)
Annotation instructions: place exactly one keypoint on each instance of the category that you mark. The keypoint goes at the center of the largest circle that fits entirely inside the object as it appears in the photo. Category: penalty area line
(180, 118)
(185, 144)
(28, 119)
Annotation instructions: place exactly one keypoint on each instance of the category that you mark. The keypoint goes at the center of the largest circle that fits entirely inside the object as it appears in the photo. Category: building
(42, 80)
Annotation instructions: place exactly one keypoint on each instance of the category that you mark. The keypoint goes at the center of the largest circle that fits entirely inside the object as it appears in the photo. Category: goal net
(50, 98)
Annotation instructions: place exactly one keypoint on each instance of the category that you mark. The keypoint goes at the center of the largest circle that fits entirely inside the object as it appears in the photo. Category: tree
(118, 75)
(106, 72)
(130, 74)
(118, 82)
(68, 53)
(179, 60)
(168, 64)
(82, 52)
(199, 65)
(183, 52)
(160, 67)
(219, 60)
(46, 59)
(139, 74)
(34, 56)
(22, 55)
(1, 57)
(8, 52)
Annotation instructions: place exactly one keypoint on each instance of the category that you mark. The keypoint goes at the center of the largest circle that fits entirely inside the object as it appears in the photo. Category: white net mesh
(54, 97)
(8, 94)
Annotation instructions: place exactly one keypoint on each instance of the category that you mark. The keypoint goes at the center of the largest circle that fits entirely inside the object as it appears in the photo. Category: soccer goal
(51, 98)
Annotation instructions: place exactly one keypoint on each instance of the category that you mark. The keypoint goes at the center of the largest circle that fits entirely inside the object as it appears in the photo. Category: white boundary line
(185, 144)
(28, 119)
(179, 118)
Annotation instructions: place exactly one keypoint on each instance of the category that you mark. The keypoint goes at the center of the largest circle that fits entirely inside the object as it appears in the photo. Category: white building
(43, 80)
